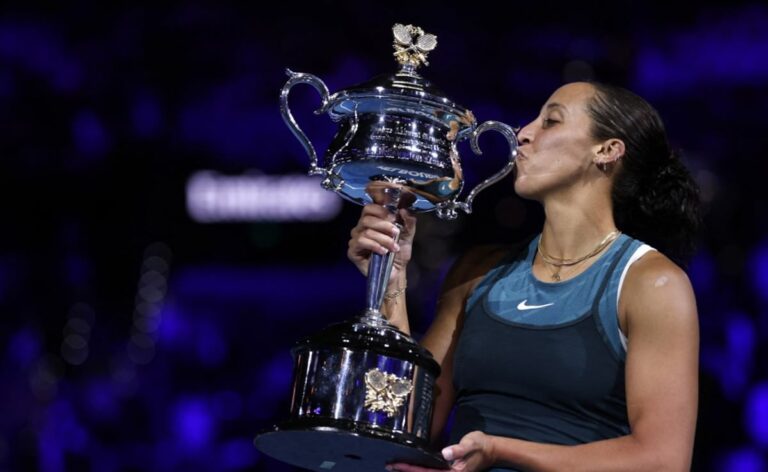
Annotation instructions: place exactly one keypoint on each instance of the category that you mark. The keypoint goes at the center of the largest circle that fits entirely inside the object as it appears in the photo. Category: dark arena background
(162, 247)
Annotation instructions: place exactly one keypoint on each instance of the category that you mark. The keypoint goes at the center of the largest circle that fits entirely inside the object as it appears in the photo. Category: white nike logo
(522, 305)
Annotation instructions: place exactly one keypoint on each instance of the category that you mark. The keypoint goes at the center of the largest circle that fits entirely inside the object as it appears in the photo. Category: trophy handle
(447, 210)
(319, 85)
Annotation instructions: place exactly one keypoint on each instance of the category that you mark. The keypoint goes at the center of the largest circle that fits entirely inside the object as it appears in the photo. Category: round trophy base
(329, 448)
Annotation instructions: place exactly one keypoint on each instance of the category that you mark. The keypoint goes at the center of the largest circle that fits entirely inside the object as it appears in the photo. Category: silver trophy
(363, 390)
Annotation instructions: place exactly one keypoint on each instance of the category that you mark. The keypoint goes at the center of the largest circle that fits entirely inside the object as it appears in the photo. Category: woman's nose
(525, 134)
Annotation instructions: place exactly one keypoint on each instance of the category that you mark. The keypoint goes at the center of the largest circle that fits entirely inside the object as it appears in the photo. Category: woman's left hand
(473, 453)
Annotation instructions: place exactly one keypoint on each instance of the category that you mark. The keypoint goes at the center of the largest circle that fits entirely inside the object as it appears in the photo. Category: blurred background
(162, 248)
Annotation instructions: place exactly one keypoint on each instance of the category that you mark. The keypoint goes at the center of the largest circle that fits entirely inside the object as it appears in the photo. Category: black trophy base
(335, 449)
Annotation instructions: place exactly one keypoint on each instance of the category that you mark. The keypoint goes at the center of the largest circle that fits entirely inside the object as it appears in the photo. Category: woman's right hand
(376, 232)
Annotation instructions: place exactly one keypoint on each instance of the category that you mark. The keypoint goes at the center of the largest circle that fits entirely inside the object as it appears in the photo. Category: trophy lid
(405, 92)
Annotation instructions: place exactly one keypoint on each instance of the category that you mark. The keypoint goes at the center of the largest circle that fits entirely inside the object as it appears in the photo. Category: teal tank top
(543, 361)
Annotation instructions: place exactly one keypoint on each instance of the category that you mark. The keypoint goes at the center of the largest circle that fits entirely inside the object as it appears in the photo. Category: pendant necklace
(559, 263)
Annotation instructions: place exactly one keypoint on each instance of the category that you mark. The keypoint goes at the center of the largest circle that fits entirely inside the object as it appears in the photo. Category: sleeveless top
(543, 361)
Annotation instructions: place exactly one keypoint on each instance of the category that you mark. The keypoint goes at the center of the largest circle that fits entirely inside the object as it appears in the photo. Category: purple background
(135, 338)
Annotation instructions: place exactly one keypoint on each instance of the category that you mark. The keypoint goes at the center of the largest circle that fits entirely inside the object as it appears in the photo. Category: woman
(579, 349)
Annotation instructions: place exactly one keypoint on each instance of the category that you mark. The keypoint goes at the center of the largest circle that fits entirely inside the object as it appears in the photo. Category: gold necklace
(559, 263)
(558, 272)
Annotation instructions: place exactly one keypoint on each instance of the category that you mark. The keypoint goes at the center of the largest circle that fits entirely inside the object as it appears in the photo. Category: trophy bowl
(363, 390)
(397, 130)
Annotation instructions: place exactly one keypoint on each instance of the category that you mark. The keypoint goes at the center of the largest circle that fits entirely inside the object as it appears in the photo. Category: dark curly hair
(655, 199)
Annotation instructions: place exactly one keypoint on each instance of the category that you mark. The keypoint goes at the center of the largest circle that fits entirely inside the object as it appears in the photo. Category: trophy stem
(380, 267)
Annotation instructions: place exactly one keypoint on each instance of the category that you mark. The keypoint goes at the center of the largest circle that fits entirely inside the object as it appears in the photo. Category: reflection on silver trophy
(363, 390)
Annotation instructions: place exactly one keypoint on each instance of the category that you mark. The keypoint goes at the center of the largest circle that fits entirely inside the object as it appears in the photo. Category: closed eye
(548, 122)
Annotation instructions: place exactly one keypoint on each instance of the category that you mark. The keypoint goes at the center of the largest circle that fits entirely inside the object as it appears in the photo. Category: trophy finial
(412, 45)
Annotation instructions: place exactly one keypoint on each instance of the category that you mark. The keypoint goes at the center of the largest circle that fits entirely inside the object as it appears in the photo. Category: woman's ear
(609, 152)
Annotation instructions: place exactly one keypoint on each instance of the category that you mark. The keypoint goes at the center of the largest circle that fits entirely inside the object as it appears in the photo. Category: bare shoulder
(655, 271)
(468, 270)
(658, 291)
(465, 274)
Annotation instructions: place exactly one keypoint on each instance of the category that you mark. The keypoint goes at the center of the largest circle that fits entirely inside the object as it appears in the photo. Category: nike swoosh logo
(523, 306)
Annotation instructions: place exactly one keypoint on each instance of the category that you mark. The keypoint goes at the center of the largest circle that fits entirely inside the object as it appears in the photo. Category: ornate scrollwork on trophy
(385, 392)
(412, 45)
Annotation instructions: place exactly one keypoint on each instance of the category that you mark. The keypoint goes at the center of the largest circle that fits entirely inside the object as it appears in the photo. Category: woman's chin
(525, 191)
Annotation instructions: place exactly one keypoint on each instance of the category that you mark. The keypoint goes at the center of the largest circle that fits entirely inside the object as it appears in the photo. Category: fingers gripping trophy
(363, 390)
